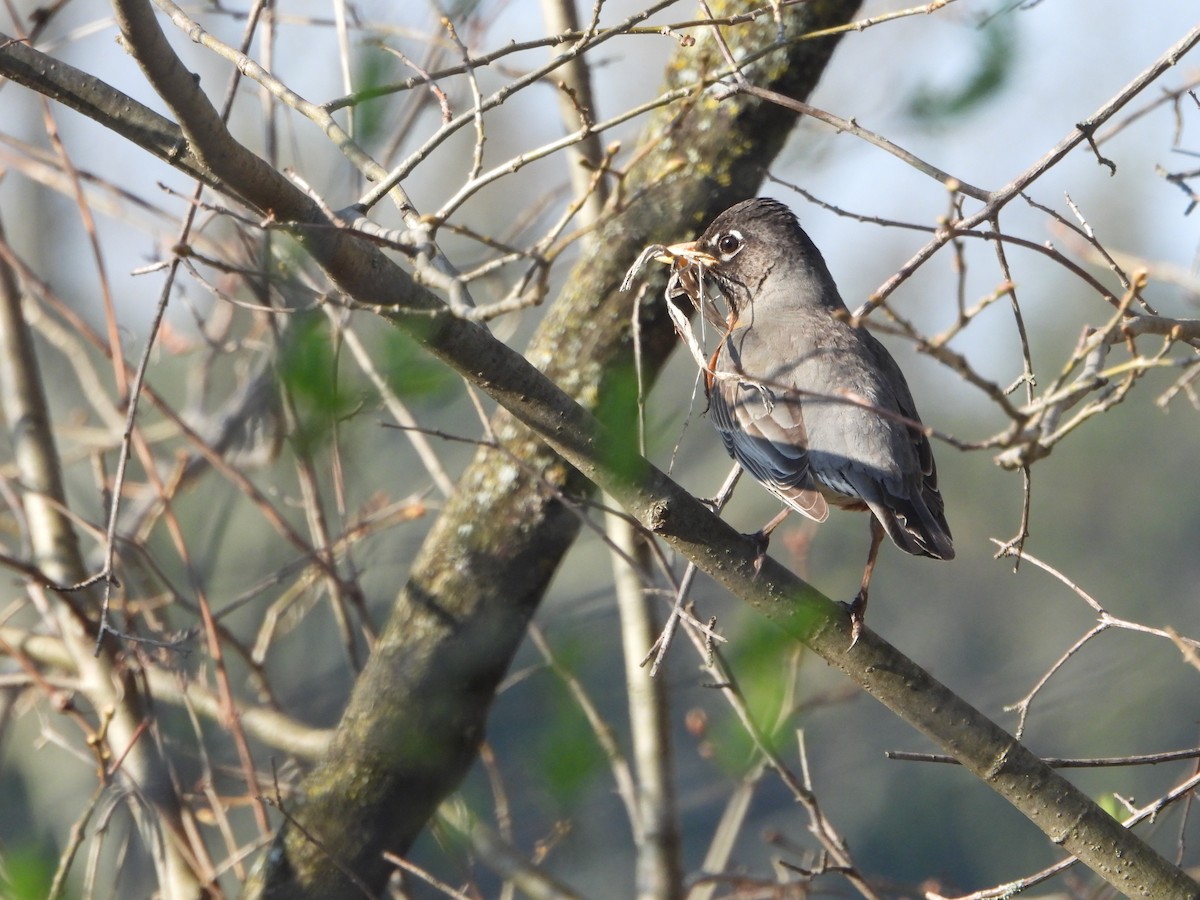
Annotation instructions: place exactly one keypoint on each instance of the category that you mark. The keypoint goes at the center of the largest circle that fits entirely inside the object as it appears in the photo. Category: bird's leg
(762, 538)
(858, 608)
(717, 503)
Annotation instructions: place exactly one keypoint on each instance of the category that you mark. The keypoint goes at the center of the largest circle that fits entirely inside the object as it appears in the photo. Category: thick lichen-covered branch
(485, 566)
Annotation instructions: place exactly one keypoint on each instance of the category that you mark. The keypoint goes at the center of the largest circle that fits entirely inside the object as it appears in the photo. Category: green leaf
(308, 371)
(411, 372)
(376, 68)
(569, 755)
(758, 660)
(934, 107)
(616, 408)
(1111, 805)
(29, 868)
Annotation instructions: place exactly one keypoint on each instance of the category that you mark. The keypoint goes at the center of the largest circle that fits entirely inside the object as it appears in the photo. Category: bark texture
(418, 710)
(417, 714)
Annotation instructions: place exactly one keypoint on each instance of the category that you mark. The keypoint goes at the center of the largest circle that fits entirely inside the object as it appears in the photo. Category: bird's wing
(764, 431)
(903, 495)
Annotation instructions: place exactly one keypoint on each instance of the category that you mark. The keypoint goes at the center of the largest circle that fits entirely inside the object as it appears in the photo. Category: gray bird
(813, 407)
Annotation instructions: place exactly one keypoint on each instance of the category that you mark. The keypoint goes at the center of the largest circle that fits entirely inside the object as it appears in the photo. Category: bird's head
(750, 244)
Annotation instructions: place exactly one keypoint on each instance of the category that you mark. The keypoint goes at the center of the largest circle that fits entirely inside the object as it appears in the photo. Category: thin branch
(849, 126)
(999, 198)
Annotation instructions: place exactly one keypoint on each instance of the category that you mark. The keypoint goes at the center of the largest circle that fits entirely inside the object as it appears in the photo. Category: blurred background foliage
(982, 89)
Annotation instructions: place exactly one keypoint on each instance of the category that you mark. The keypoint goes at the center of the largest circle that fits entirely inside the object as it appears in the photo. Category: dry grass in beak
(690, 269)
(689, 277)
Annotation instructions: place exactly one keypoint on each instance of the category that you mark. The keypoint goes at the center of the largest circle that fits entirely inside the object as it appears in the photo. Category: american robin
(812, 406)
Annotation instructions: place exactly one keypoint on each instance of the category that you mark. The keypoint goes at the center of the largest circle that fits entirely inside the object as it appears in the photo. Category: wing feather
(765, 433)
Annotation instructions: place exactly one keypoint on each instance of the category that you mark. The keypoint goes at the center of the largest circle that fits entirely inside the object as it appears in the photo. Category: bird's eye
(729, 243)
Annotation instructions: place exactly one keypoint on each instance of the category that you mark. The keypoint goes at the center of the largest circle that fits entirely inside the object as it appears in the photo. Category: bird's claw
(761, 541)
(858, 612)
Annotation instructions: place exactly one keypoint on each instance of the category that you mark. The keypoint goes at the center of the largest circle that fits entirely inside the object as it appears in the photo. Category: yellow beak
(688, 253)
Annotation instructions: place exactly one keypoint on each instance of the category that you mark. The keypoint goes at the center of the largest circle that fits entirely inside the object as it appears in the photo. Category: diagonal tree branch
(458, 660)
(449, 681)
(97, 100)
(485, 566)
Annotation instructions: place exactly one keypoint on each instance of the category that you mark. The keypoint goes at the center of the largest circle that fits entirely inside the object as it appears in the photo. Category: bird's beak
(688, 252)
(688, 264)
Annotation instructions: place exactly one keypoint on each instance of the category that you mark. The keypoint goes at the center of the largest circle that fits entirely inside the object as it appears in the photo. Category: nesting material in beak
(688, 254)
(689, 265)
(691, 278)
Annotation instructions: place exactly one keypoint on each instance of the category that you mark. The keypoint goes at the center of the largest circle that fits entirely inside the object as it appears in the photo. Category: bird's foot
(761, 540)
(858, 613)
